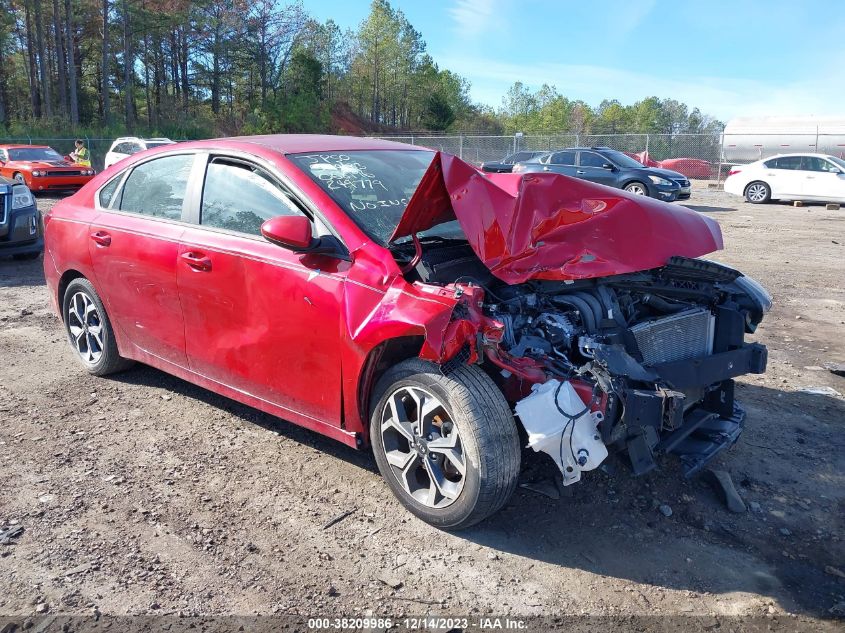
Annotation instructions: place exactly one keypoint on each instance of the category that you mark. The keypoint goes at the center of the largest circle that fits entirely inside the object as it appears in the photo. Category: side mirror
(288, 231)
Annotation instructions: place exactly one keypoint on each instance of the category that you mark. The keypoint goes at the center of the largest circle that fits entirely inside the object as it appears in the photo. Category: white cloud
(475, 17)
(819, 93)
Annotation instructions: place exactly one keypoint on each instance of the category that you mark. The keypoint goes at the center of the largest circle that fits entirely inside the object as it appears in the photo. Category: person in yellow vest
(81, 155)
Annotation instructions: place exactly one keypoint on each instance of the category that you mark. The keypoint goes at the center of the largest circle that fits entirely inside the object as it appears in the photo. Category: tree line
(195, 68)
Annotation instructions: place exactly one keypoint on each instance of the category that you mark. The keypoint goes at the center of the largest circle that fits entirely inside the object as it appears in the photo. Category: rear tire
(758, 192)
(465, 425)
(89, 330)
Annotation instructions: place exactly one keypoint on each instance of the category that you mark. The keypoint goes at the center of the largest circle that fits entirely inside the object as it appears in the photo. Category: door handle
(197, 261)
(102, 238)
(810, 177)
(580, 171)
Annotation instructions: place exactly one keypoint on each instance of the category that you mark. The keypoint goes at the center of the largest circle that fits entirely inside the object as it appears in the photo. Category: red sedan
(42, 168)
(394, 297)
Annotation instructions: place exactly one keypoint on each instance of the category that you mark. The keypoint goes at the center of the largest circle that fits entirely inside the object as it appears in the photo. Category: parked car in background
(41, 168)
(20, 222)
(130, 145)
(612, 168)
(689, 167)
(505, 166)
(789, 177)
(385, 295)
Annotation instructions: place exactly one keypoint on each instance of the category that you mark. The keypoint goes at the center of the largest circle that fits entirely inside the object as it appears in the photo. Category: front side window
(590, 159)
(373, 187)
(157, 187)
(814, 163)
(239, 197)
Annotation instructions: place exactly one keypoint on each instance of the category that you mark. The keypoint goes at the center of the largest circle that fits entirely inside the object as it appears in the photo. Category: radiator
(681, 336)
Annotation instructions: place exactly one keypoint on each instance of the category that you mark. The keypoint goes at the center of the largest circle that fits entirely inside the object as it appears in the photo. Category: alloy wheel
(636, 189)
(423, 447)
(757, 192)
(85, 326)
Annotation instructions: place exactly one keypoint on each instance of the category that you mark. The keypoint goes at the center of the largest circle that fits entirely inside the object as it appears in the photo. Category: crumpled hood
(548, 226)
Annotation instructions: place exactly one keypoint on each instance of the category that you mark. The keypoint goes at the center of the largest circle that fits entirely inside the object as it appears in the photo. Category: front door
(134, 245)
(822, 180)
(259, 318)
(591, 167)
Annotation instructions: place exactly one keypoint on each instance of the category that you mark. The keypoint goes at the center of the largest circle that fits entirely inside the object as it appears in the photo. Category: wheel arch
(382, 357)
(64, 281)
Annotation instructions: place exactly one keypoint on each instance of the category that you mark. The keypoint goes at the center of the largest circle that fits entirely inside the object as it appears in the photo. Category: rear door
(785, 177)
(134, 246)
(822, 180)
(591, 166)
(259, 318)
(561, 163)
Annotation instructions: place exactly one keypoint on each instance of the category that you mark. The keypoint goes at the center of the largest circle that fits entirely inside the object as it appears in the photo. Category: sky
(729, 58)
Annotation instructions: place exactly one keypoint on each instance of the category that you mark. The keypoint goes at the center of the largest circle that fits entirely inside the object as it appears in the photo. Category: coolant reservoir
(572, 439)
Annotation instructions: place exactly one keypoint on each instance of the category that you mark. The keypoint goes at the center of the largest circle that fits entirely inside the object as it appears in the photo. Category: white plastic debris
(571, 439)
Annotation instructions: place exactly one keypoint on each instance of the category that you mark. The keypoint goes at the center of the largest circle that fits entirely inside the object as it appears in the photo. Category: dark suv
(612, 168)
(20, 222)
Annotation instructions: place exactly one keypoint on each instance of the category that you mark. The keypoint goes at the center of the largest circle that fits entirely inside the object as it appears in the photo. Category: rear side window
(157, 187)
(239, 197)
(562, 158)
(788, 162)
(107, 192)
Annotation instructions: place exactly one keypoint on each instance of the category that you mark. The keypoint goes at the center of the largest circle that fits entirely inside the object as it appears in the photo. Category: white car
(789, 177)
(128, 145)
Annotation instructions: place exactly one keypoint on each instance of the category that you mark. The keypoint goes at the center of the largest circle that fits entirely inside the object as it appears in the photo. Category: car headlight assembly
(657, 180)
(22, 197)
(36, 173)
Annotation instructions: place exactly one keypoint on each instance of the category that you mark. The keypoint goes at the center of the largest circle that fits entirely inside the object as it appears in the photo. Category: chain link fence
(705, 157)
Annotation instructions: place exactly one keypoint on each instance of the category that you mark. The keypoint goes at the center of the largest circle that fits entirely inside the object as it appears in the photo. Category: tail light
(734, 172)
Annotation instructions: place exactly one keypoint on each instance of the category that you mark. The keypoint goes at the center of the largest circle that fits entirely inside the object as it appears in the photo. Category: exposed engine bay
(640, 364)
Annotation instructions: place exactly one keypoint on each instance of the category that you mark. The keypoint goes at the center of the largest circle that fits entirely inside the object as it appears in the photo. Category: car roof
(301, 143)
(25, 147)
(124, 139)
(798, 154)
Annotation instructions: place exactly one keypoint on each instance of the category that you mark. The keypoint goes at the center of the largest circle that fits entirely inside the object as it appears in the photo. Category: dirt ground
(142, 494)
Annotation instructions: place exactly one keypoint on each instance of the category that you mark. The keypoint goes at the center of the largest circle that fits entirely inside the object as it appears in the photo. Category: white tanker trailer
(748, 139)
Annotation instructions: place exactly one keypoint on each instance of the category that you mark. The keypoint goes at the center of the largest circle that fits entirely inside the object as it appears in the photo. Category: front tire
(447, 446)
(758, 192)
(636, 188)
(18, 178)
(89, 330)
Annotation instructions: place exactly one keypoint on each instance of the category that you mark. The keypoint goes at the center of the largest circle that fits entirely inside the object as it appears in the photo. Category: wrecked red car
(394, 297)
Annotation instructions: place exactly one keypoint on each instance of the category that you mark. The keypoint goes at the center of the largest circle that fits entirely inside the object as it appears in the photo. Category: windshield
(373, 187)
(839, 162)
(623, 160)
(34, 153)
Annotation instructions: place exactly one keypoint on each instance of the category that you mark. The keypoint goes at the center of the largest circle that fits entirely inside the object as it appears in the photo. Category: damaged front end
(653, 353)
(590, 310)
(640, 364)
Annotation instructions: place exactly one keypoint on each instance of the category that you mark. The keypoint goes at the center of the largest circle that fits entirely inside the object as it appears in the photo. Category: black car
(506, 164)
(613, 168)
(20, 222)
